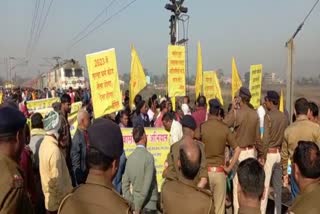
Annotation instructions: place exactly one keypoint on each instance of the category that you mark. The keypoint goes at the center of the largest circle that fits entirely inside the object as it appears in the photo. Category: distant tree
(163, 79)
(126, 77)
(247, 78)
(1, 81)
(146, 71)
(155, 79)
(220, 73)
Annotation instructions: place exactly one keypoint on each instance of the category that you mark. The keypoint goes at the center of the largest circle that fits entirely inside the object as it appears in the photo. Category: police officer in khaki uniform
(183, 196)
(13, 195)
(301, 129)
(251, 186)
(171, 166)
(275, 123)
(98, 195)
(245, 122)
(216, 135)
(306, 170)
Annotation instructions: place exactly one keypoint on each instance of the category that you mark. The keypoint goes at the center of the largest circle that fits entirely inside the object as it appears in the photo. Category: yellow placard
(176, 71)
(104, 82)
(72, 117)
(158, 145)
(208, 85)
(35, 105)
(211, 86)
(255, 84)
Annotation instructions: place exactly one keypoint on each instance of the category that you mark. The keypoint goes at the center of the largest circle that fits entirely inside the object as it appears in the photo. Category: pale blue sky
(253, 31)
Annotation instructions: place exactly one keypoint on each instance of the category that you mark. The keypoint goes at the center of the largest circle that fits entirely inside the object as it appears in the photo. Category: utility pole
(289, 85)
(21, 62)
(290, 46)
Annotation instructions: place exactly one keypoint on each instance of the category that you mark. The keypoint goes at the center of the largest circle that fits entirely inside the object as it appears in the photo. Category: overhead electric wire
(36, 27)
(94, 20)
(44, 22)
(40, 26)
(304, 20)
(102, 23)
(34, 19)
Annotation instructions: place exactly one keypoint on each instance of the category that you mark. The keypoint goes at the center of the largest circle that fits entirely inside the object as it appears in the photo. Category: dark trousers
(276, 182)
(147, 211)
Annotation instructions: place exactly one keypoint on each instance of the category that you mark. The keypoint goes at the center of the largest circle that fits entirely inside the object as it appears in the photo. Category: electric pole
(290, 46)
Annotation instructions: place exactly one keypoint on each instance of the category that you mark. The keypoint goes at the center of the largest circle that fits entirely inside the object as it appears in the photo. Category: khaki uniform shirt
(173, 171)
(245, 122)
(215, 135)
(275, 123)
(301, 129)
(249, 210)
(307, 201)
(13, 196)
(182, 196)
(96, 196)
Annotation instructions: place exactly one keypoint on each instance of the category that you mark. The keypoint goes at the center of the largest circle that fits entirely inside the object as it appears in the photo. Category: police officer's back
(306, 169)
(182, 196)
(172, 171)
(97, 195)
(13, 196)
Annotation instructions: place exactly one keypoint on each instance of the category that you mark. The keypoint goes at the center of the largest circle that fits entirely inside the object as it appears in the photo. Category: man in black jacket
(79, 149)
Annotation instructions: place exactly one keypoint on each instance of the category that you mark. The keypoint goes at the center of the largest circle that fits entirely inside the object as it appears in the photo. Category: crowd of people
(215, 160)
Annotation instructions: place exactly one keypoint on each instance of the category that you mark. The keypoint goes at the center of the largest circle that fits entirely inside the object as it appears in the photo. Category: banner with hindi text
(176, 71)
(34, 105)
(208, 85)
(104, 82)
(158, 145)
(255, 84)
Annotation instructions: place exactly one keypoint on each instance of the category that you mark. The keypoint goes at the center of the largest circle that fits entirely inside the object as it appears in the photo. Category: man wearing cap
(13, 195)
(98, 195)
(183, 196)
(140, 174)
(245, 123)
(171, 170)
(55, 178)
(275, 123)
(216, 135)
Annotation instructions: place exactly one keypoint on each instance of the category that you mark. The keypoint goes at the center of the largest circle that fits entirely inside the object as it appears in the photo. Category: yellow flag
(235, 78)
(281, 103)
(199, 81)
(137, 77)
(1, 97)
(217, 88)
